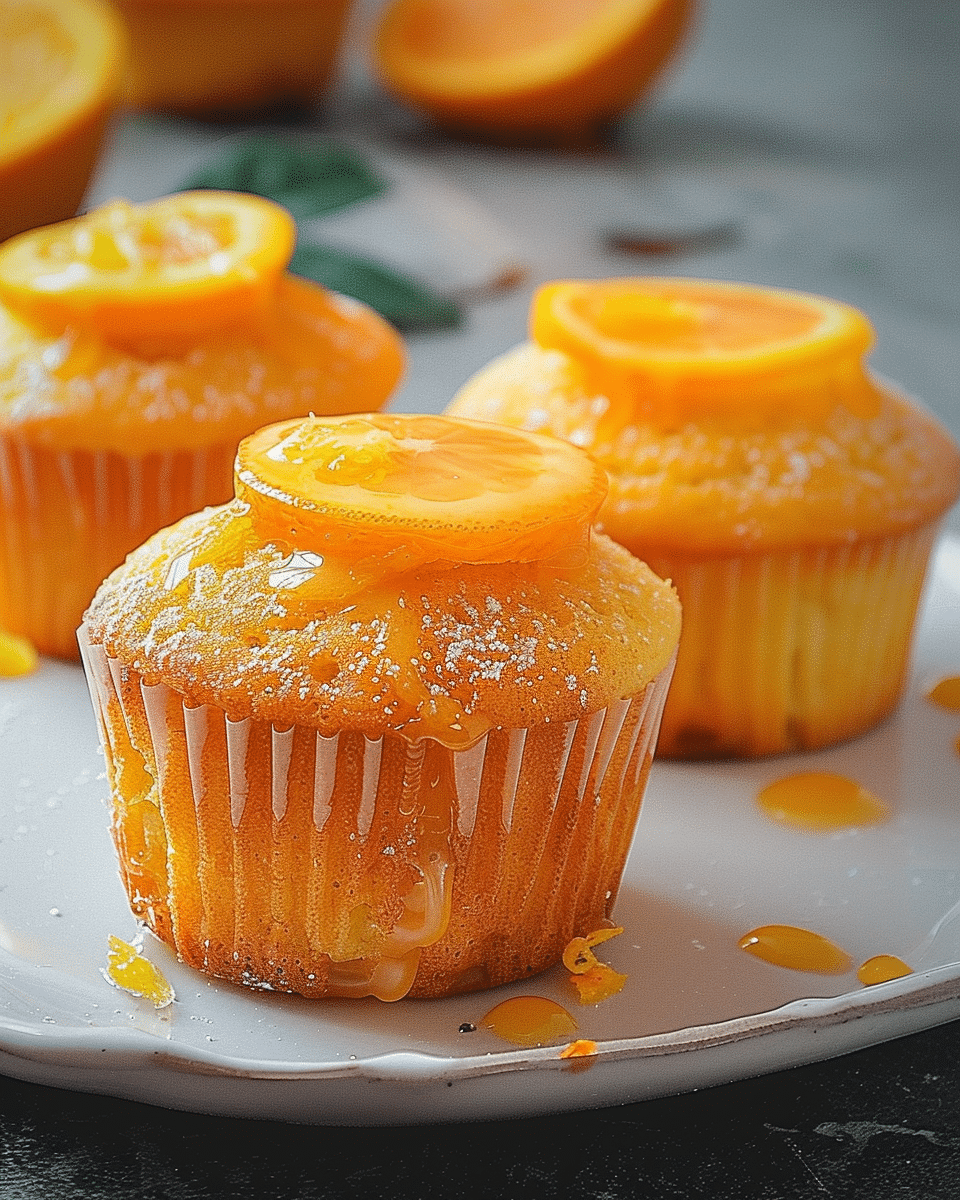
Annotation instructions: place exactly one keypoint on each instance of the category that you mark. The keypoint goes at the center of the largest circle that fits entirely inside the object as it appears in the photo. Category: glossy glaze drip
(882, 968)
(529, 1021)
(796, 948)
(822, 801)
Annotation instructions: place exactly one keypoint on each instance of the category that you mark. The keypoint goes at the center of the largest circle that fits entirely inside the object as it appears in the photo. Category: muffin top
(175, 325)
(426, 575)
(729, 417)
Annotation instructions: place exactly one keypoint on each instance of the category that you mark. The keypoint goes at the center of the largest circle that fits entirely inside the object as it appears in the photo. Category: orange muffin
(754, 459)
(382, 724)
(229, 57)
(138, 345)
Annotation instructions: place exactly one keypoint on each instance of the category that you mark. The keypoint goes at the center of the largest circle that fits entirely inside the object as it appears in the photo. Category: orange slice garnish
(61, 63)
(435, 487)
(545, 66)
(688, 345)
(174, 267)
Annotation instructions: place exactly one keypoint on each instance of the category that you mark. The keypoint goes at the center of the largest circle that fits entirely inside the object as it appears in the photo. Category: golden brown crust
(311, 351)
(733, 482)
(446, 650)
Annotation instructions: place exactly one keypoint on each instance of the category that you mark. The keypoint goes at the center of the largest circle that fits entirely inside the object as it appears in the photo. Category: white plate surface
(706, 867)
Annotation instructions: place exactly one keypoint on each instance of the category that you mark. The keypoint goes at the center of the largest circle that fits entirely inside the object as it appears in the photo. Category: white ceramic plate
(707, 867)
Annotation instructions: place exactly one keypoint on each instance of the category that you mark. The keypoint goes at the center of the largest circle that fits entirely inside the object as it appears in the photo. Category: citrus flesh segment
(694, 343)
(437, 487)
(177, 266)
(526, 65)
(60, 69)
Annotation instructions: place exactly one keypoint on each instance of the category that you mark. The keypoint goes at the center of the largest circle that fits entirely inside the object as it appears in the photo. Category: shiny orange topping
(686, 346)
(176, 267)
(438, 487)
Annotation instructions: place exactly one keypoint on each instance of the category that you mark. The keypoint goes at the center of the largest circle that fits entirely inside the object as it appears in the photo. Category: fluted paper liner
(68, 517)
(790, 650)
(350, 865)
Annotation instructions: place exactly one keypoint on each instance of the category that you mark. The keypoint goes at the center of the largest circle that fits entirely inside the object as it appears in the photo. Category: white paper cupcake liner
(793, 649)
(533, 825)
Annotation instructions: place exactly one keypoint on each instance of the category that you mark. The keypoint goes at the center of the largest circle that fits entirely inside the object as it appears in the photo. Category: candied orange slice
(60, 70)
(689, 344)
(176, 266)
(435, 487)
(541, 66)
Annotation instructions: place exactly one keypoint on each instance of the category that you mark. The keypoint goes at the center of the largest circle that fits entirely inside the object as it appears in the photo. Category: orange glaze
(820, 800)
(946, 693)
(796, 948)
(881, 968)
(529, 1021)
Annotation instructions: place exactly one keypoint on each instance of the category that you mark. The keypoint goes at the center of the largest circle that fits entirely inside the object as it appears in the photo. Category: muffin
(210, 58)
(138, 345)
(790, 494)
(382, 724)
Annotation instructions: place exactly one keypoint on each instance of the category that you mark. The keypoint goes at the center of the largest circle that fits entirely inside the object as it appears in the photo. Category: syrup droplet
(881, 968)
(530, 1021)
(821, 800)
(946, 693)
(796, 948)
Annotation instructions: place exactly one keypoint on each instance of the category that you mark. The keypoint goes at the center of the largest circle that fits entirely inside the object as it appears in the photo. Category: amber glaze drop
(946, 693)
(796, 948)
(881, 968)
(820, 800)
(530, 1021)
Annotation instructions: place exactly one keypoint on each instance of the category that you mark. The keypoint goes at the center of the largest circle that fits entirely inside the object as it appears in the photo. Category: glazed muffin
(138, 345)
(382, 724)
(754, 459)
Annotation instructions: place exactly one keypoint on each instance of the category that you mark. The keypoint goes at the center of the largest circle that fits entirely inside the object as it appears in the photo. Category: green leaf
(404, 302)
(310, 183)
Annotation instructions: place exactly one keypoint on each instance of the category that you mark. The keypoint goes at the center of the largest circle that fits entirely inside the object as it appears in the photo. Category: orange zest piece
(581, 1048)
(687, 346)
(129, 970)
(594, 981)
(17, 655)
(438, 487)
(546, 66)
(174, 267)
(60, 70)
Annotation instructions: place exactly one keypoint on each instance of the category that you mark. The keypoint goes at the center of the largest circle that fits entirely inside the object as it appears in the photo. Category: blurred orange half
(61, 63)
(561, 67)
